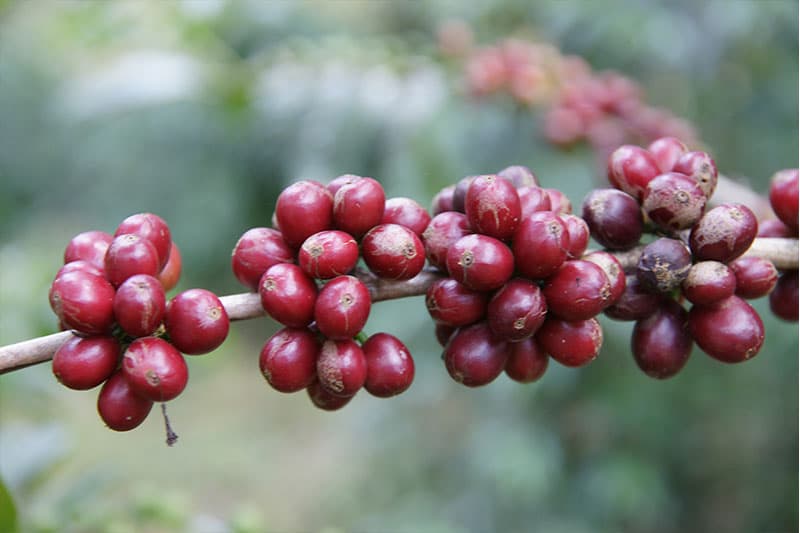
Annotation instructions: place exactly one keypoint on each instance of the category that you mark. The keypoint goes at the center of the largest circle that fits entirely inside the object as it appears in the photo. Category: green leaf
(8, 511)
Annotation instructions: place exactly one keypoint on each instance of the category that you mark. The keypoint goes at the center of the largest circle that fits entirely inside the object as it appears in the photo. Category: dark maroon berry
(139, 305)
(453, 303)
(614, 218)
(358, 206)
(392, 251)
(341, 367)
(559, 203)
(303, 209)
(460, 193)
(288, 360)
(492, 206)
(390, 367)
(128, 255)
(288, 295)
(673, 201)
(171, 273)
(700, 167)
(474, 357)
(89, 246)
(708, 282)
(256, 251)
(773, 228)
(635, 303)
(755, 276)
(630, 169)
(571, 343)
(342, 307)
(155, 369)
(338, 182)
(783, 197)
(664, 264)
(82, 363)
(723, 233)
(406, 212)
(444, 332)
(519, 176)
(442, 232)
(578, 232)
(667, 151)
(533, 199)
(540, 245)
(527, 361)
(196, 321)
(517, 310)
(783, 300)
(578, 290)
(152, 228)
(119, 406)
(480, 262)
(443, 201)
(613, 270)
(328, 254)
(83, 301)
(730, 330)
(322, 399)
(661, 343)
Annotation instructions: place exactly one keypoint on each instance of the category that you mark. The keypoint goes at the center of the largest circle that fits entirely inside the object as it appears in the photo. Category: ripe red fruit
(139, 305)
(708, 282)
(755, 276)
(338, 182)
(663, 265)
(519, 176)
(517, 310)
(303, 209)
(533, 199)
(673, 201)
(480, 262)
(453, 303)
(773, 228)
(83, 301)
(661, 343)
(571, 343)
(155, 369)
(328, 254)
(342, 307)
(667, 151)
(701, 168)
(257, 250)
(119, 406)
(443, 200)
(577, 291)
(613, 270)
(442, 232)
(341, 367)
(151, 228)
(540, 245)
(392, 251)
(783, 197)
(288, 295)
(82, 363)
(614, 218)
(730, 330)
(527, 361)
(406, 212)
(128, 255)
(84, 266)
(783, 300)
(88, 246)
(474, 357)
(171, 272)
(443, 333)
(358, 206)
(324, 400)
(630, 169)
(723, 233)
(578, 232)
(390, 367)
(288, 360)
(460, 193)
(492, 206)
(559, 203)
(636, 302)
(196, 321)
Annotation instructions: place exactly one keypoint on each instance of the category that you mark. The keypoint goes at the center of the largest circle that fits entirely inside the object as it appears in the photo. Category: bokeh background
(202, 110)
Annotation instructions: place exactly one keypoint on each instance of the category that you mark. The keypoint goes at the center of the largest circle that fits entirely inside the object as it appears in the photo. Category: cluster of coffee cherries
(111, 292)
(303, 270)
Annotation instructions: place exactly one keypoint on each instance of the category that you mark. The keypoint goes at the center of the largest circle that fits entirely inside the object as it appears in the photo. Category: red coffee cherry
(460, 193)
(128, 255)
(453, 303)
(540, 245)
(667, 151)
(474, 357)
(155, 369)
(82, 363)
(338, 182)
(257, 250)
(773, 228)
(342, 307)
(406, 212)
(578, 290)
(492, 206)
(358, 206)
(527, 361)
(783, 197)
(723, 233)
(322, 399)
(730, 330)
(635, 303)
(83, 302)
(390, 367)
(89, 246)
(578, 232)
(288, 295)
(288, 360)
(443, 200)
(783, 298)
(139, 305)
(701, 168)
(559, 203)
(171, 272)
(661, 343)
(83, 266)
(663, 265)
(119, 406)
(516, 310)
(630, 169)
(519, 176)
(196, 321)
(708, 282)
(571, 343)
(480, 262)
(392, 251)
(614, 218)
(673, 201)
(341, 367)
(442, 233)
(443, 333)
(533, 199)
(151, 228)
(328, 254)
(755, 276)
(303, 209)
(613, 270)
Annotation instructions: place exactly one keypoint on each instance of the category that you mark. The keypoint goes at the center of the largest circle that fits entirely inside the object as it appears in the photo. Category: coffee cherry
(773, 228)
(630, 169)
(527, 361)
(328, 254)
(613, 271)
(723, 233)
(559, 203)
(322, 399)
(577, 291)
(89, 246)
(533, 199)
(196, 321)
(392, 251)
(635, 303)
(154, 369)
(709, 282)
(171, 272)
(341, 367)
(701, 168)
(540, 245)
(614, 218)
(82, 363)
(342, 307)
(667, 151)
(730, 330)
(358, 206)
(474, 357)
(783, 300)
(572, 344)
(673, 201)
(119, 406)
(151, 228)
(578, 232)
(783, 197)
(303, 209)
(83, 266)
(755, 276)
(460, 193)
(390, 367)
(338, 182)
(519, 176)
(443, 200)
(288, 360)
(406, 212)
(128, 255)
(257, 250)
(663, 265)
(443, 333)
(139, 305)
(661, 343)
(492, 206)
(442, 232)
(288, 295)
(453, 303)
(83, 302)
(480, 262)
(517, 310)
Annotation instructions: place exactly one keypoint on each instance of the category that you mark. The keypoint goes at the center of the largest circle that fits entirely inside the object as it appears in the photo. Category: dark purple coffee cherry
(661, 343)
(783, 300)
(474, 357)
(527, 361)
(663, 265)
(614, 218)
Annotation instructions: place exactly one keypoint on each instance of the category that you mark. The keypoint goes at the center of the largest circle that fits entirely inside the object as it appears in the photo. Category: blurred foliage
(202, 110)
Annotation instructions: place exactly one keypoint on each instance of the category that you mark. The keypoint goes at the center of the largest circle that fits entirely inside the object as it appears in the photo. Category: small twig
(172, 437)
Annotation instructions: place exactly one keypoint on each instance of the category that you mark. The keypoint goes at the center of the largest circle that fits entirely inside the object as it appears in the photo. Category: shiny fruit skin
(83, 302)
(257, 250)
(492, 206)
(155, 369)
(119, 406)
(392, 251)
(540, 245)
(303, 209)
(152, 228)
(88, 246)
(442, 232)
(358, 206)
(341, 367)
(288, 360)
(517, 310)
(406, 212)
(342, 307)
(128, 255)
(82, 363)
(474, 357)
(288, 295)
(730, 330)
(571, 343)
(454, 304)
(527, 361)
(196, 321)
(480, 262)
(661, 343)
(139, 305)
(390, 367)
